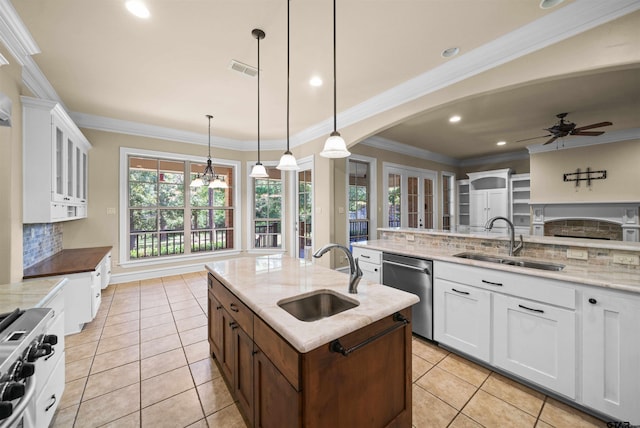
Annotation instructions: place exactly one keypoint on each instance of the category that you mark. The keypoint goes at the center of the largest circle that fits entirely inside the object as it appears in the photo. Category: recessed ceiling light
(315, 81)
(448, 53)
(501, 143)
(548, 4)
(455, 119)
(137, 8)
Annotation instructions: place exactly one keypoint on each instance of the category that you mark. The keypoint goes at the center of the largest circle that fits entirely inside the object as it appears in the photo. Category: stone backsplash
(555, 252)
(40, 241)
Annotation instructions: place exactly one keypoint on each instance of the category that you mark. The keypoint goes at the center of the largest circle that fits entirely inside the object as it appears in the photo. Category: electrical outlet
(573, 253)
(410, 237)
(626, 259)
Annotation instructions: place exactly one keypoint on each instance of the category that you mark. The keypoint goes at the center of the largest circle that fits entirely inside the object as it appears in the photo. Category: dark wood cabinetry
(276, 386)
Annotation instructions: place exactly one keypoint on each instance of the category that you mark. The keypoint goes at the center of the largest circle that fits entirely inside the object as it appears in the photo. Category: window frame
(373, 194)
(123, 230)
(250, 241)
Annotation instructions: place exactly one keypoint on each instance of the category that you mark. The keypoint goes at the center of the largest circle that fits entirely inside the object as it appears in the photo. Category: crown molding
(394, 146)
(578, 141)
(35, 80)
(14, 34)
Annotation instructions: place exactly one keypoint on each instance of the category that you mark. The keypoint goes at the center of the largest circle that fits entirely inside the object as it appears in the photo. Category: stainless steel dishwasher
(413, 275)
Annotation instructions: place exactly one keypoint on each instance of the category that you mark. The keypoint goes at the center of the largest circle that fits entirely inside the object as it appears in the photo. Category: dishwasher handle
(402, 265)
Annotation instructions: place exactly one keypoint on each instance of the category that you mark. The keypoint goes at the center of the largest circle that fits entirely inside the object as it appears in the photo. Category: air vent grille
(245, 69)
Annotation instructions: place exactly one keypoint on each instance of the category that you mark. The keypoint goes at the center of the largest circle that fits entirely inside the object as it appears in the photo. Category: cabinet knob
(593, 301)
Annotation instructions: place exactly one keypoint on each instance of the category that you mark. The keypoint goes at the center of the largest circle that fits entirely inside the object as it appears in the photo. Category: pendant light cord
(258, 38)
(335, 108)
(288, 4)
(209, 117)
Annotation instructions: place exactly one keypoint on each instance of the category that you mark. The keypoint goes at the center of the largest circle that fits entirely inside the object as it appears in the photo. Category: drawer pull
(460, 292)
(234, 308)
(364, 257)
(497, 284)
(53, 402)
(233, 325)
(336, 346)
(540, 311)
(593, 301)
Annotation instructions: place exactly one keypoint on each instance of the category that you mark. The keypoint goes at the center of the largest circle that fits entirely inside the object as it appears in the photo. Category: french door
(410, 197)
(304, 207)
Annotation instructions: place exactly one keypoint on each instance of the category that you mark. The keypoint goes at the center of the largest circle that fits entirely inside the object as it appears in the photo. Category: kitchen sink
(318, 305)
(511, 261)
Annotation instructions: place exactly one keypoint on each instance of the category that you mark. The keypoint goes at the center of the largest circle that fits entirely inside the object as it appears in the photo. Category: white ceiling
(173, 69)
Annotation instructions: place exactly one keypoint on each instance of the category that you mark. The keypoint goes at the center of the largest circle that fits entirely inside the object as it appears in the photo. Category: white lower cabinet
(83, 295)
(462, 318)
(370, 262)
(611, 353)
(536, 341)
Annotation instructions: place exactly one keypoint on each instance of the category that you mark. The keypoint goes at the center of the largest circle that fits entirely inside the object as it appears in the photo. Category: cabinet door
(497, 204)
(216, 327)
(226, 356)
(478, 208)
(277, 403)
(611, 354)
(59, 164)
(535, 341)
(462, 318)
(371, 271)
(243, 369)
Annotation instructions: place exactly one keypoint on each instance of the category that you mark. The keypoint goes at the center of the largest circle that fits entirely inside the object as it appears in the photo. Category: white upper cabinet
(488, 197)
(55, 170)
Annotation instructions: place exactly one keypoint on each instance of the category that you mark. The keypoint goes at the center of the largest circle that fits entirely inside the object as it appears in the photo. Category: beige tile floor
(144, 362)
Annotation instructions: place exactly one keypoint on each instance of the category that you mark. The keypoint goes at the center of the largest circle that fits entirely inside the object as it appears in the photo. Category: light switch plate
(410, 237)
(574, 253)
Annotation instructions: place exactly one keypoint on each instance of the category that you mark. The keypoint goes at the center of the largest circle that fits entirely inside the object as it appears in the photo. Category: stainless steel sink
(317, 305)
(511, 261)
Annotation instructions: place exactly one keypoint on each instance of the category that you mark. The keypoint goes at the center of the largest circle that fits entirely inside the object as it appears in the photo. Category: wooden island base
(276, 386)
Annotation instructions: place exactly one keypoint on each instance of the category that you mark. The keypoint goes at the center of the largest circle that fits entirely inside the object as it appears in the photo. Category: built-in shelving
(520, 202)
(463, 205)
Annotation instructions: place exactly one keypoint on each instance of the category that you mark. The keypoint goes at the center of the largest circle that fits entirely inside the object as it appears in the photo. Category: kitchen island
(349, 369)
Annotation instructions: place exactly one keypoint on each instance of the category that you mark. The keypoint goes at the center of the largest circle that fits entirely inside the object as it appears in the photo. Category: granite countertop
(260, 282)
(28, 294)
(596, 275)
(67, 262)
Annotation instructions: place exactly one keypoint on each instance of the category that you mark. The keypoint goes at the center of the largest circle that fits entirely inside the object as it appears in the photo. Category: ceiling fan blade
(593, 125)
(589, 133)
(551, 140)
(534, 138)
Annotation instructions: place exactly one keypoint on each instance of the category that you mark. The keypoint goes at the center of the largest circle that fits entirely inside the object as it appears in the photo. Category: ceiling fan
(564, 128)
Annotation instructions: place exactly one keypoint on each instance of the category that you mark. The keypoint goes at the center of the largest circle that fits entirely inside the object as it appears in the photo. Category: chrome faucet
(354, 269)
(512, 251)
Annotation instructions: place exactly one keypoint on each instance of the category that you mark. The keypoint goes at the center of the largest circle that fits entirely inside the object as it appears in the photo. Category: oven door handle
(419, 269)
(19, 410)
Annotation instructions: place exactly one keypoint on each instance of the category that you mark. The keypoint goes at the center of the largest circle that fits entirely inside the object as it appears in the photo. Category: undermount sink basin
(317, 305)
(511, 261)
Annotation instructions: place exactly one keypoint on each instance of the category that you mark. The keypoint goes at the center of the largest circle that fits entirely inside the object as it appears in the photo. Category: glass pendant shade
(218, 183)
(258, 171)
(197, 182)
(288, 162)
(335, 147)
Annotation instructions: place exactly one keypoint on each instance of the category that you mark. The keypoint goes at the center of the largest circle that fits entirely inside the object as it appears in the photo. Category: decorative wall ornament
(587, 176)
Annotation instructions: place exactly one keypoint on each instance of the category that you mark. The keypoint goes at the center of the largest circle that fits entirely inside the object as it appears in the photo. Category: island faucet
(512, 251)
(354, 269)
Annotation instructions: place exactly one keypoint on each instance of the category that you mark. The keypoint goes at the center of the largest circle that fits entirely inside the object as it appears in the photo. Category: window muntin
(394, 196)
(267, 209)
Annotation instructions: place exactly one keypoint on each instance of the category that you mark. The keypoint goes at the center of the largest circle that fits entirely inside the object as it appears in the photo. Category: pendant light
(209, 178)
(334, 147)
(288, 161)
(258, 170)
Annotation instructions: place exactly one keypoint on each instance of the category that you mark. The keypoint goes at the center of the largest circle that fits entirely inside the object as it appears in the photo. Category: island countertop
(261, 282)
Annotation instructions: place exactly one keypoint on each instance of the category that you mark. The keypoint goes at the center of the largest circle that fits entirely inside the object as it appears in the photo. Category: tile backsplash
(40, 241)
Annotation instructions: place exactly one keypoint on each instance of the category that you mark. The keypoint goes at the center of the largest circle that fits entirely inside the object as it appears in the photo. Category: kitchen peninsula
(349, 369)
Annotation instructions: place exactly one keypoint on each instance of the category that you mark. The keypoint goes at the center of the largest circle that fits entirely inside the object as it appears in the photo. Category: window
(212, 212)
(448, 202)
(163, 217)
(359, 205)
(267, 210)
(305, 207)
(411, 195)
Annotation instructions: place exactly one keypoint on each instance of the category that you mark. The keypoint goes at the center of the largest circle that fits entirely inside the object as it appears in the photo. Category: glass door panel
(395, 199)
(304, 212)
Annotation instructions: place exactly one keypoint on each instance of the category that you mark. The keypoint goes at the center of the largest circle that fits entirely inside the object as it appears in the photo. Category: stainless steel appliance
(23, 341)
(412, 275)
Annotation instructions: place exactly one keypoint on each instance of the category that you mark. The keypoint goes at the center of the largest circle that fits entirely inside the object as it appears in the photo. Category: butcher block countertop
(67, 262)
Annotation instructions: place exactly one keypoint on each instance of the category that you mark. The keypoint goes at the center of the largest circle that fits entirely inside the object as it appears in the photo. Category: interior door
(420, 201)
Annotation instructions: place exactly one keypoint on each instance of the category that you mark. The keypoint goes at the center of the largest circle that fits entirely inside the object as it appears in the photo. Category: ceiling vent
(245, 69)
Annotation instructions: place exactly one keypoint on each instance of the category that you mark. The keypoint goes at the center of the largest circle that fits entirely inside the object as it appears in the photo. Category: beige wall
(11, 176)
(518, 166)
(620, 160)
